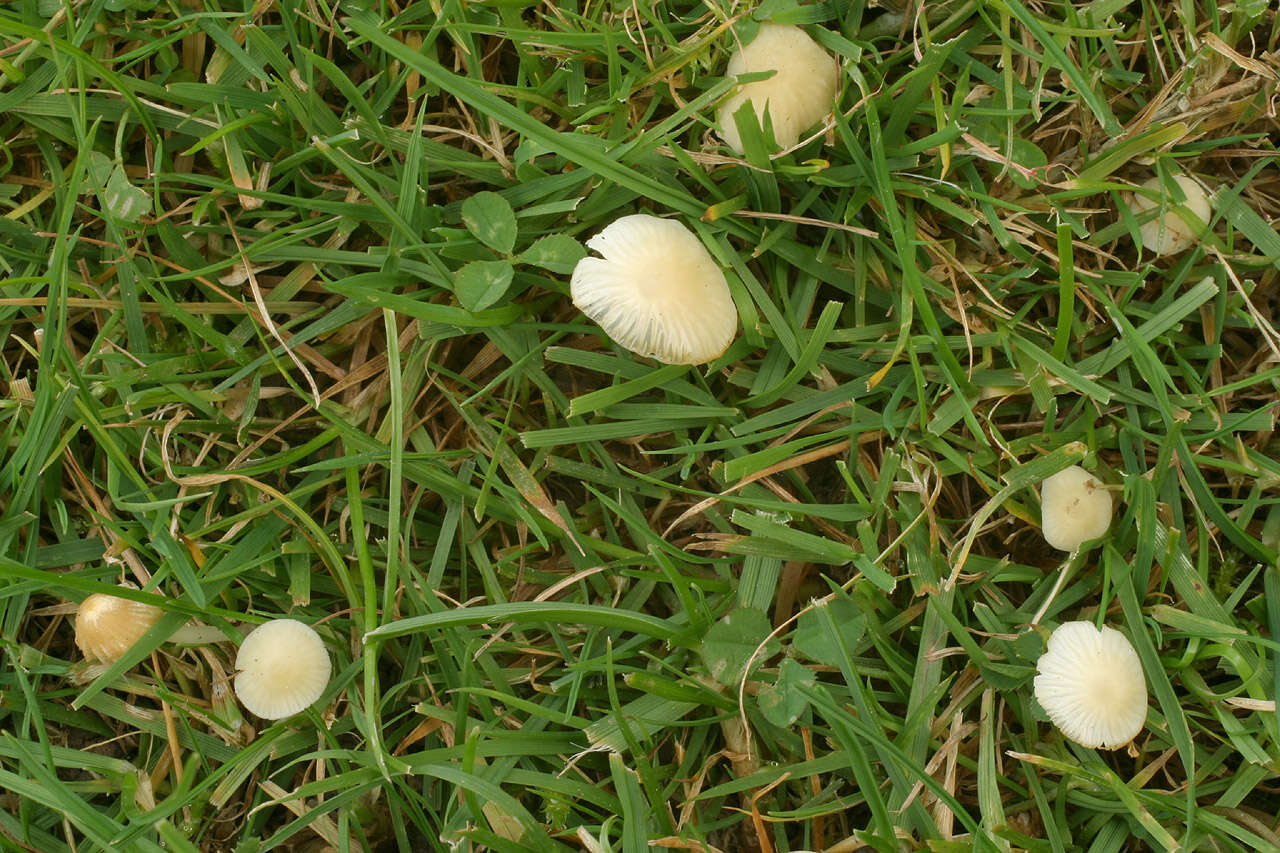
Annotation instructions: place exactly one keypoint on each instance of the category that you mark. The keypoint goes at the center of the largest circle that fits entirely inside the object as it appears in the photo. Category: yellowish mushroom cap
(656, 291)
(282, 667)
(798, 96)
(107, 626)
(1074, 508)
(1090, 682)
(1172, 232)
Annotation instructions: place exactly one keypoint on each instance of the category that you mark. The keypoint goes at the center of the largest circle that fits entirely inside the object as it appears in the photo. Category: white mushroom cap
(798, 96)
(282, 668)
(1074, 508)
(1090, 682)
(1171, 232)
(656, 291)
(107, 626)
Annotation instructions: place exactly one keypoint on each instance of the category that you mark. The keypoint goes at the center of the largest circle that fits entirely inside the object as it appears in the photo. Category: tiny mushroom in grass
(281, 669)
(107, 626)
(656, 291)
(1090, 683)
(798, 96)
(1171, 232)
(1074, 508)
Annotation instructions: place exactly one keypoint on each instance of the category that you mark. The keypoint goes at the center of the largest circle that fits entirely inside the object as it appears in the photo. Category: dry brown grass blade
(1248, 63)
(321, 824)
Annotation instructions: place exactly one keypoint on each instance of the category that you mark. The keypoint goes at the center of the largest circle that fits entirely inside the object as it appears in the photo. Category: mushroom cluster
(654, 288)
(282, 666)
(1089, 680)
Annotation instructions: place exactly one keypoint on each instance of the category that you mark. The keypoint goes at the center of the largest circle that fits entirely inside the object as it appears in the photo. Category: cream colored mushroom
(798, 96)
(282, 668)
(1171, 231)
(107, 626)
(656, 291)
(1074, 508)
(1090, 683)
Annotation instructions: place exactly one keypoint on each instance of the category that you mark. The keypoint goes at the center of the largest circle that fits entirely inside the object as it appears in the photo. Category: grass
(284, 296)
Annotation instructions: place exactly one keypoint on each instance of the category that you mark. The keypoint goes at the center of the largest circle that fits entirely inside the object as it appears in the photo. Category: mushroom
(797, 97)
(1090, 682)
(282, 668)
(1074, 508)
(656, 291)
(107, 626)
(1171, 231)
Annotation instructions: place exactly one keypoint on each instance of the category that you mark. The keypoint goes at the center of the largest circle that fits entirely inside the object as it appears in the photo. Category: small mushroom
(656, 291)
(282, 667)
(798, 96)
(1171, 232)
(1074, 508)
(107, 626)
(1090, 683)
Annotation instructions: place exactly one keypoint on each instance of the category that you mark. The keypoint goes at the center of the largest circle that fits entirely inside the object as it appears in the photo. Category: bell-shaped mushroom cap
(107, 626)
(281, 668)
(1090, 683)
(1074, 508)
(1170, 232)
(798, 96)
(656, 291)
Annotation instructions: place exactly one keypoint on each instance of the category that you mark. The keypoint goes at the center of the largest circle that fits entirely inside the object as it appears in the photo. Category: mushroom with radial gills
(799, 95)
(1074, 508)
(107, 626)
(1171, 231)
(282, 668)
(656, 291)
(1090, 682)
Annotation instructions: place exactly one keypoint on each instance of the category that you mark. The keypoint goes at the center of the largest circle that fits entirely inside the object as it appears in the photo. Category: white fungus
(798, 96)
(1074, 508)
(1090, 683)
(107, 626)
(282, 668)
(1171, 231)
(656, 291)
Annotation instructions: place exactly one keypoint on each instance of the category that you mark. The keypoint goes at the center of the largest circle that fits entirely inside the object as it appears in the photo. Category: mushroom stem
(1063, 571)
(738, 740)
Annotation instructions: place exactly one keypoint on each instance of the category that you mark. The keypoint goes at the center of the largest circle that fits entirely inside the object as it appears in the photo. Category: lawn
(288, 332)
